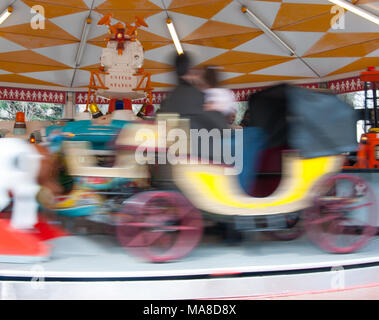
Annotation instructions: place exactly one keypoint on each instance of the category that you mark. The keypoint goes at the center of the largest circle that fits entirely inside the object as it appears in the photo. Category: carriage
(161, 208)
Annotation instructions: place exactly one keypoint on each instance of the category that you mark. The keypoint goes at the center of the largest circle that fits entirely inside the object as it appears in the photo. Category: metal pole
(273, 36)
(375, 103)
(366, 109)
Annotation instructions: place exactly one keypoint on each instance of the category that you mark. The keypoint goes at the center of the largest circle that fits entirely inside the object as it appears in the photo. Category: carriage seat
(269, 171)
(253, 144)
(81, 161)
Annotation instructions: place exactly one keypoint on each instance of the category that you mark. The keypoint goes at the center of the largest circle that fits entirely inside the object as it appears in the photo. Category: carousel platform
(96, 267)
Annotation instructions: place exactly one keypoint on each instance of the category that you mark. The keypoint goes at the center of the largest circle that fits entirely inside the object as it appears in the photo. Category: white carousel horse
(19, 169)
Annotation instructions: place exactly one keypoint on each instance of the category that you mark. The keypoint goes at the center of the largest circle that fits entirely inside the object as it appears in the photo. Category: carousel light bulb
(174, 36)
(83, 41)
(6, 14)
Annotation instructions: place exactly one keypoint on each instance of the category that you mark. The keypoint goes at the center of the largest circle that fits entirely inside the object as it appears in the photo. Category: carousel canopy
(276, 40)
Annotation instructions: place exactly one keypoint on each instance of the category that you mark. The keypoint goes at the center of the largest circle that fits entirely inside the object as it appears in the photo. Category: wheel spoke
(153, 210)
(363, 205)
(179, 228)
(144, 239)
(336, 227)
(142, 224)
(159, 226)
(355, 220)
(332, 207)
(327, 218)
(183, 212)
(165, 241)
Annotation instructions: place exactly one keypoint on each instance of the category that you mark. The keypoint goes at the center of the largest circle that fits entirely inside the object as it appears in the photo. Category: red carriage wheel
(344, 214)
(160, 226)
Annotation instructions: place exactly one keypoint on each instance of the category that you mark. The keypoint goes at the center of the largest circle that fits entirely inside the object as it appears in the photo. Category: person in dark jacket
(188, 101)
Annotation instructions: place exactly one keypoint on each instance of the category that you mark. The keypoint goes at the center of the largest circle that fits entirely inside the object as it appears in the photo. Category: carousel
(84, 218)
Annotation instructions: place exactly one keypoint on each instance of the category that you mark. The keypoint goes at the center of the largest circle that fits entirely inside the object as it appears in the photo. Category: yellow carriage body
(205, 185)
(210, 190)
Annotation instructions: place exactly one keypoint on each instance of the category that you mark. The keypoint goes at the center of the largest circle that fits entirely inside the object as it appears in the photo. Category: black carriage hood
(314, 123)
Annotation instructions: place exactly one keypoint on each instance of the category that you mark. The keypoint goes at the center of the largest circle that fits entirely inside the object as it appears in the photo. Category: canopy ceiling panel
(214, 31)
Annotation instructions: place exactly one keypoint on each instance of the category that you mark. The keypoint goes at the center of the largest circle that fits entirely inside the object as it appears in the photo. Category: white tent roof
(215, 32)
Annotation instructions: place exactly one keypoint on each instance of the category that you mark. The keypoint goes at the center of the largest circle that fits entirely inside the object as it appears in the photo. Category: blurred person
(245, 120)
(222, 102)
(188, 100)
(217, 98)
(231, 119)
